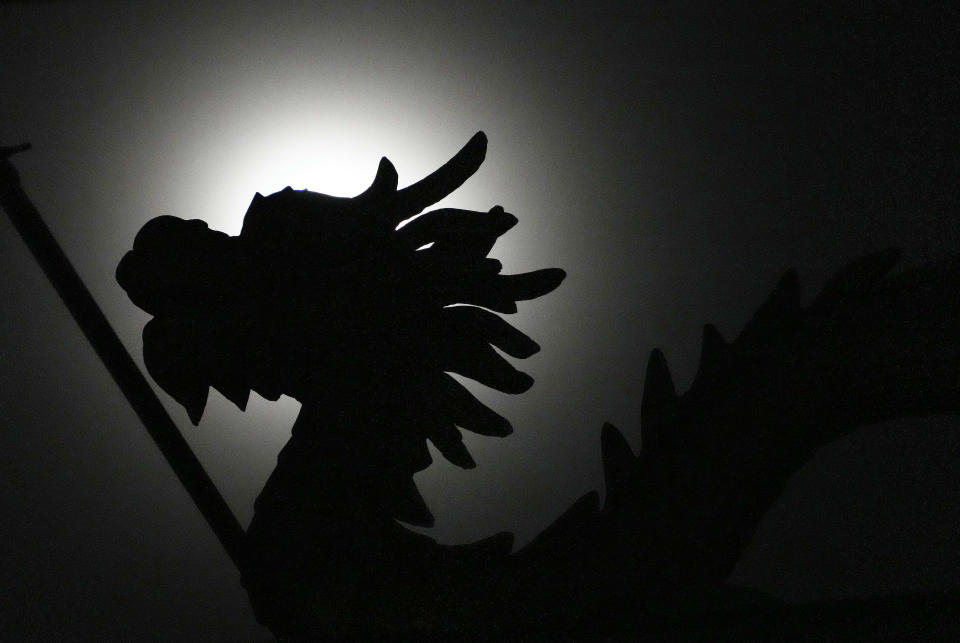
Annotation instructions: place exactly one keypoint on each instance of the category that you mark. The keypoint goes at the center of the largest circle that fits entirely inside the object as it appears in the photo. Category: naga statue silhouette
(327, 300)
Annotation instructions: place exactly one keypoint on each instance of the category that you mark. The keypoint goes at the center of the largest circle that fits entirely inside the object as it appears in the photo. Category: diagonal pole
(115, 357)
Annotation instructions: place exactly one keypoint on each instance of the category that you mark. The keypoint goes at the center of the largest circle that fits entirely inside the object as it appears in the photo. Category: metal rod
(26, 219)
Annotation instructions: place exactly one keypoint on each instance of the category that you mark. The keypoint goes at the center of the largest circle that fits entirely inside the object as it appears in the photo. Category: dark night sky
(673, 159)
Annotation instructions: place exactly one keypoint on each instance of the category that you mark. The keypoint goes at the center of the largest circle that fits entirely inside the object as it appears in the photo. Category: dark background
(674, 158)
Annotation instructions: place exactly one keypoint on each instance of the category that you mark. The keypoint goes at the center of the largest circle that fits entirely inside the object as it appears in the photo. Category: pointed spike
(618, 460)
(384, 183)
(238, 394)
(168, 363)
(421, 458)
(569, 524)
(854, 279)
(195, 405)
(785, 297)
(712, 348)
(467, 411)
(411, 507)
(256, 203)
(659, 393)
(271, 394)
(386, 176)
(450, 444)
(782, 305)
(531, 285)
(659, 401)
(458, 454)
(255, 212)
(585, 508)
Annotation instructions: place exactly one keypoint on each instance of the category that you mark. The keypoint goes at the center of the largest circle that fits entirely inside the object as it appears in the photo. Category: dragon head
(317, 288)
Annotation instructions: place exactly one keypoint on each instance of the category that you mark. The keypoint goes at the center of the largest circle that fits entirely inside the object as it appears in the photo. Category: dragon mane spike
(659, 401)
(785, 297)
(712, 348)
(167, 364)
(576, 516)
(853, 280)
(256, 203)
(239, 394)
(618, 461)
(411, 507)
(782, 305)
(659, 393)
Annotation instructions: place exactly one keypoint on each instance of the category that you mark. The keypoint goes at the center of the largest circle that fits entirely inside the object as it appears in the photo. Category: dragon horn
(384, 183)
(414, 198)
